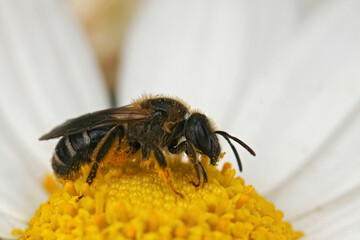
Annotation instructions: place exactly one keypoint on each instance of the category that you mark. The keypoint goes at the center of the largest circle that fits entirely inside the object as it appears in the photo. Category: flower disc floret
(131, 202)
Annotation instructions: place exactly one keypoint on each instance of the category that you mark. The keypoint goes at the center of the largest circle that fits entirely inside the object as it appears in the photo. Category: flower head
(130, 202)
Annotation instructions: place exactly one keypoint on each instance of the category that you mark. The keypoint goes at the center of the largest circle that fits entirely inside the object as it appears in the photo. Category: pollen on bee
(119, 153)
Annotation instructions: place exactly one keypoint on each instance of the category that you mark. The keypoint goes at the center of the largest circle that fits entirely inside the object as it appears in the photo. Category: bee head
(199, 132)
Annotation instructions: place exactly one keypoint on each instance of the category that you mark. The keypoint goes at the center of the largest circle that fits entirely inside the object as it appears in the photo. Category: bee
(151, 125)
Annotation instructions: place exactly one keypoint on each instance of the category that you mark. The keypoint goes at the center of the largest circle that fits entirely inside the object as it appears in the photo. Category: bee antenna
(238, 141)
(233, 148)
(227, 138)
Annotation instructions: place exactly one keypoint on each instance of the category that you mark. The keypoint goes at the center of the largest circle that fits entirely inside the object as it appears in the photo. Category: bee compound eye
(202, 137)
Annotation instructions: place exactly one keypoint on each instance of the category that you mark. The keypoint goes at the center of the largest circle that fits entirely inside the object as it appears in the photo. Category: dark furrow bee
(152, 124)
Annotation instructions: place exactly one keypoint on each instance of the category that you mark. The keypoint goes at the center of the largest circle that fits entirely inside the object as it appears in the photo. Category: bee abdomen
(74, 151)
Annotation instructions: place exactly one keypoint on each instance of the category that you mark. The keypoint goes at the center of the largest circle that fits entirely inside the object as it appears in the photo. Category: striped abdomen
(73, 151)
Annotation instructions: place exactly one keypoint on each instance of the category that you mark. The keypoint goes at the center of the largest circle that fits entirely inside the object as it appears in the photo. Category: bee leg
(102, 149)
(145, 152)
(190, 152)
(164, 173)
(203, 173)
(134, 147)
(159, 157)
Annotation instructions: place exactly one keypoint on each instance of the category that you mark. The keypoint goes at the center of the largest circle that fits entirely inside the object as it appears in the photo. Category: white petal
(333, 171)
(11, 223)
(297, 102)
(337, 219)
(198, 51)
(309, 127)
(47, 75)
(330, 112)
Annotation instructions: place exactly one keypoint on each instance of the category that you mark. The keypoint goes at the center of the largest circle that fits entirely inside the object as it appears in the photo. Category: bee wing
(103, 118)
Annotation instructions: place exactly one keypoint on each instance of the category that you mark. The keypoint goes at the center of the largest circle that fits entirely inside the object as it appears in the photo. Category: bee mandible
(151, 125)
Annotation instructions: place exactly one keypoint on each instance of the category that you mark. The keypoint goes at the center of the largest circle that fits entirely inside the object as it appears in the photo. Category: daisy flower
(283, 76)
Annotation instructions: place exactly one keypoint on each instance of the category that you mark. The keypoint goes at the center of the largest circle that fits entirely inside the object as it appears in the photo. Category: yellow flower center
(130, 202)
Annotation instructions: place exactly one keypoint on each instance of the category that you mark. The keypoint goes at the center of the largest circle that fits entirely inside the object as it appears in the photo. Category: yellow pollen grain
(130, 202)
(69, 186)
(70, 209)
(181, 232)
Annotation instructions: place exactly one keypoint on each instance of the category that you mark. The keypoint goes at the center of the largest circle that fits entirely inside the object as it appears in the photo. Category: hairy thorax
(164, 127)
